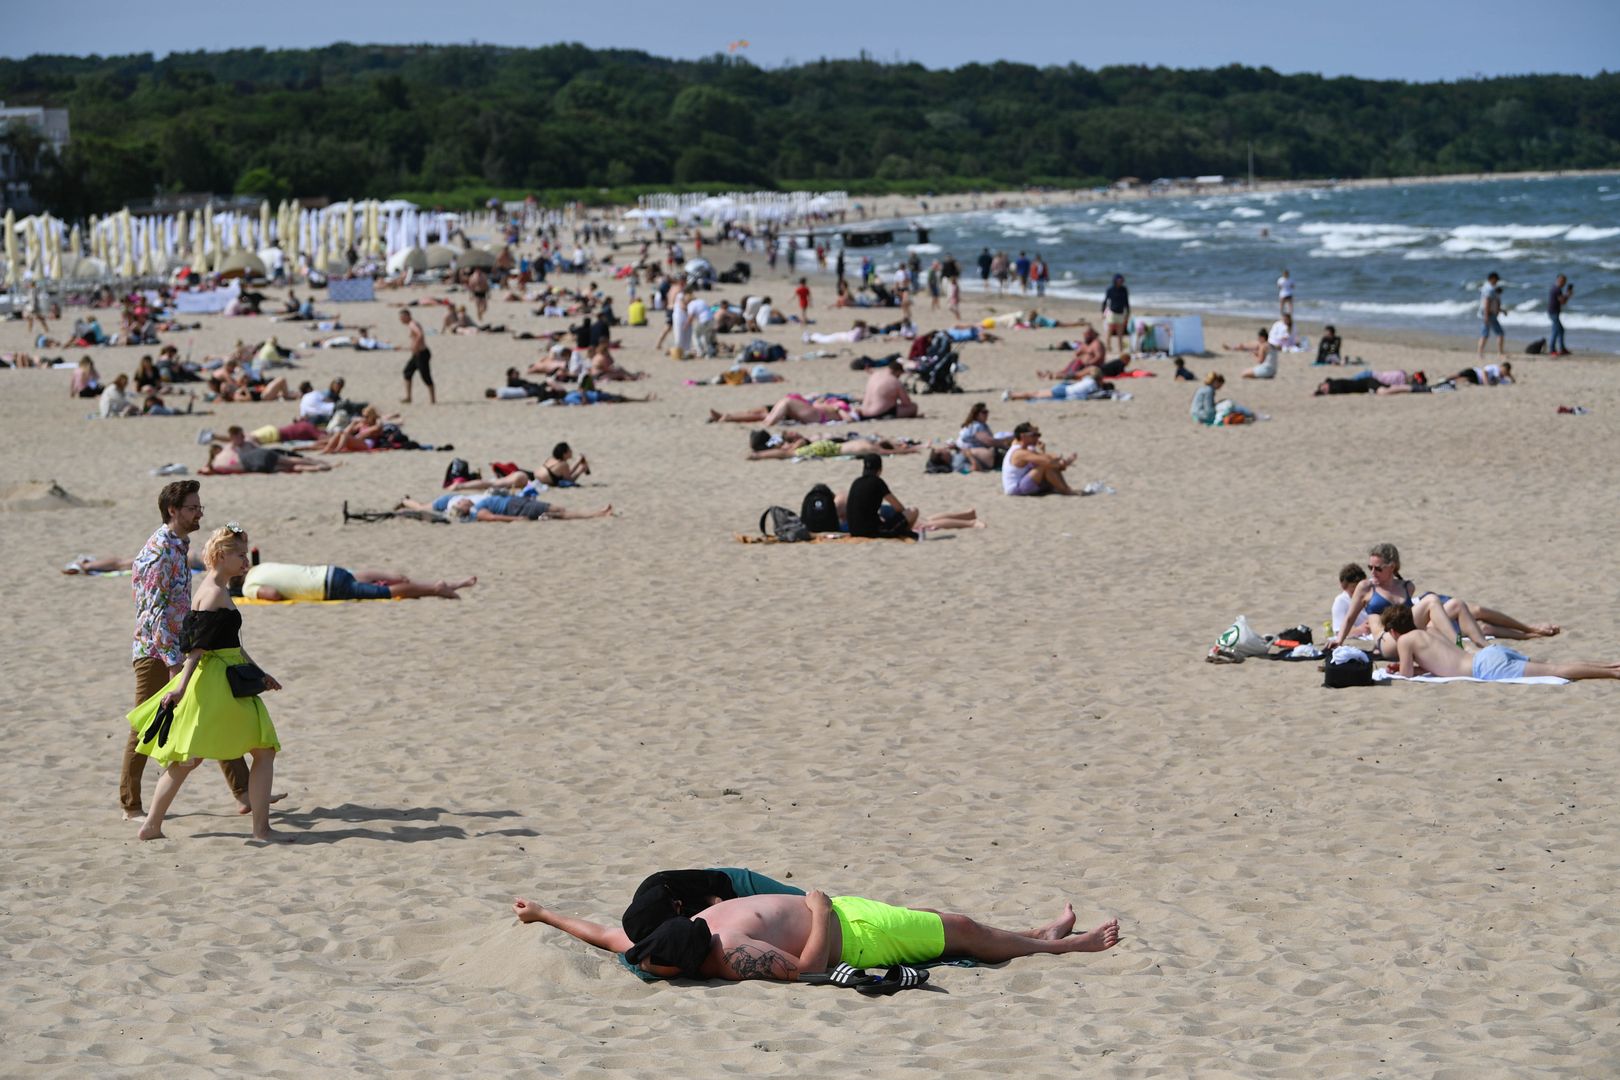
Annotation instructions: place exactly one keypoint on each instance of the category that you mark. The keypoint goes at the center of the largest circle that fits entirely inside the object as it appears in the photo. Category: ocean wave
(1246, 212)
(1572, 321)
(1027, 219)
(1357, 228)
(1509, 232)
(1125, 217)
(1291, 215)
(1436, 309)
(1160, 228)
(1470, 243)
(1590, 232)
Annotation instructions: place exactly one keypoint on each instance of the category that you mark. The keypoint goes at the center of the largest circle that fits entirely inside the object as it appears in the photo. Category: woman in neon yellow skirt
(196, 716)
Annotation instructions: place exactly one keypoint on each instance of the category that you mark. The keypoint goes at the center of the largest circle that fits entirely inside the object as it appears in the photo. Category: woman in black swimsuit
(559, 471)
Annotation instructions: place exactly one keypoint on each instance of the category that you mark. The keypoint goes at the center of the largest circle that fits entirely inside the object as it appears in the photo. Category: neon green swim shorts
(877, 935)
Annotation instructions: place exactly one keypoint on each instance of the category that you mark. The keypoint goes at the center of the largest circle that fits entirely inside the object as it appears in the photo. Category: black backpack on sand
(785, 525)
(819, 512)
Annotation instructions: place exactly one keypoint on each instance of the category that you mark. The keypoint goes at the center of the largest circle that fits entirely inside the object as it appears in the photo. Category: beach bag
(458, 471)
(1343, 669)
(1241, 640)
(1536, 347)
(819, 512)
(1293, 637)
(786, 526)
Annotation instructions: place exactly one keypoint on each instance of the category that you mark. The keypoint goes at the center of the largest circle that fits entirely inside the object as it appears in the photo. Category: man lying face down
(786, 935)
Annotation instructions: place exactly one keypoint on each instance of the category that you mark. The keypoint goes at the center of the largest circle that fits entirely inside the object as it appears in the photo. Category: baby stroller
(936, 374)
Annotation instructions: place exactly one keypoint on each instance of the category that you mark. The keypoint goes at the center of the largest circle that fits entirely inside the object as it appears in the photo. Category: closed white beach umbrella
(320, 245)
(13, 271)
(264, 224)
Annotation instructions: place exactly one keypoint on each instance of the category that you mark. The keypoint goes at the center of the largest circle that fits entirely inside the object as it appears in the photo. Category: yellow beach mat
(241, 600)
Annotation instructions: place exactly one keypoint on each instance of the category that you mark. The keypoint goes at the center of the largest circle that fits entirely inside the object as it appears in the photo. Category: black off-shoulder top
(211, 630)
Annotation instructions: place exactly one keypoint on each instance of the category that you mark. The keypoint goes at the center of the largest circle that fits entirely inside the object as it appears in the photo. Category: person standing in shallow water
(199, 713)
(162, 579)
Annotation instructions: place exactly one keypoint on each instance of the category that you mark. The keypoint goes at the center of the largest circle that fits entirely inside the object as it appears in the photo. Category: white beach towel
(1527, 680)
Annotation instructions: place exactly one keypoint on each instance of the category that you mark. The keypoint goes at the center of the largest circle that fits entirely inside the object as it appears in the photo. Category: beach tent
(413, 258)
(475, 258)
(242, 264)
(1174, 335)
(439, 257)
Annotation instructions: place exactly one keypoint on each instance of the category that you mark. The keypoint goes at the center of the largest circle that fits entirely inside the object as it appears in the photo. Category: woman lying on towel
(1430, 651)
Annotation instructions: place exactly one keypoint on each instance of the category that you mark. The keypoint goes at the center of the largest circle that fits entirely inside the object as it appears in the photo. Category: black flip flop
(898, 978)
(842, 975)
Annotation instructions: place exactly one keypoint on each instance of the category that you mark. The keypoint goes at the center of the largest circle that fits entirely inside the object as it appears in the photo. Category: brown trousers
(152, 675)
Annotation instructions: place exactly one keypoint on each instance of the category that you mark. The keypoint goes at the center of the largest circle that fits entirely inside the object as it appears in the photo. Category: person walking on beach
(420, 358)
(1560, 296)
(985, 259)
(162, 578)
(802, 293)
(1490, 314)
(209, 710)
(1285, 294)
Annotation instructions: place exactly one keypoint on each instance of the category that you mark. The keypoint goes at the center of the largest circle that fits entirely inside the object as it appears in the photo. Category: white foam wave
(1027, 218)
(1509, 232)
(1125, 217)
(1246, 212)
(1572, 321)
(1193, 244)
(1160, 228)
(1356, 228)
(1437, 309)
(1468, 243)
(1590, 232)
(1291, 215)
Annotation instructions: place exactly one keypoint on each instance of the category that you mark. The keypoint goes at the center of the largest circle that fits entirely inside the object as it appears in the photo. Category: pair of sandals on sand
(897, 978)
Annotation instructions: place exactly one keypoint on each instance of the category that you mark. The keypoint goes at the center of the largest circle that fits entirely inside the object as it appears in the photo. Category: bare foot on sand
(1546, 629)
(149, 833)
(1059, 927)
(527, 910)
(244, 808)
(714, 417)
(1104, 937)
(448, 590)
(270, 836)
(134, 815)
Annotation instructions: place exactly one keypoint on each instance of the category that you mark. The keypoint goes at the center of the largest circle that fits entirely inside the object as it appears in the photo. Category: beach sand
(1405, 881)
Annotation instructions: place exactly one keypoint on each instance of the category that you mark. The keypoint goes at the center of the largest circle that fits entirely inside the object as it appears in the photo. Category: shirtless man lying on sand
(1434, 652)
(783, 937)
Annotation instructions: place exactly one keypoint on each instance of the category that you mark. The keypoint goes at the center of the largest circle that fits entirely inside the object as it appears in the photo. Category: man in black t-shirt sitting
(872, 508)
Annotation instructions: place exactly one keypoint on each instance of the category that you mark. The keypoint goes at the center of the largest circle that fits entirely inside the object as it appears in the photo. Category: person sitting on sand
(1091, 352)
(792, 409)
(290, 581)
(362, 434)
(885, 397)
(240, 456)
(1207, 410)
(1029, 470)
(499, 507)
(763, 446)
(1329, 350)
(1430, 651)
(115, 402)
(1265, 359)
(785, 937)
(1495, 624)
(561, 470)
(1385, 589)
(978, 443)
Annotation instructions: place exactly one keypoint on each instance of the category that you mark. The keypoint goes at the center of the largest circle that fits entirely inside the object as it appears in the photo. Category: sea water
(1401, 256)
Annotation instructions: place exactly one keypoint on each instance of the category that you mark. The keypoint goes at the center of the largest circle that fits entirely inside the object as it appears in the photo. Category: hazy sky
(1400, 39)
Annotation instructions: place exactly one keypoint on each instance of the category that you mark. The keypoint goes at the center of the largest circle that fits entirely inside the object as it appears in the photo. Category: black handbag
(247, 680)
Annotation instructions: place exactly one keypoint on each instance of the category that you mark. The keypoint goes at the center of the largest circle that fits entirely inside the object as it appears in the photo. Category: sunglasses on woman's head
(235, 528)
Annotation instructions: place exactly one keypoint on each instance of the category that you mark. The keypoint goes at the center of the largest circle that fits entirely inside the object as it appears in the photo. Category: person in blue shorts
(1428, 651)
(499, 506)
(292, 582)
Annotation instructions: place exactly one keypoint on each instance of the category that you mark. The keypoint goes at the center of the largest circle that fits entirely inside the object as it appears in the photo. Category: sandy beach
(1413, 880)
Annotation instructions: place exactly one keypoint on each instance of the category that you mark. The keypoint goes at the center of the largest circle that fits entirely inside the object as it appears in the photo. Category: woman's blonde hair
(218, 541)
(1214, 377)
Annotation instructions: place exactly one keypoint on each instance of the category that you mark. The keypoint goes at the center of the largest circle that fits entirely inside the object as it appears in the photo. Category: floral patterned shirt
(162, 596)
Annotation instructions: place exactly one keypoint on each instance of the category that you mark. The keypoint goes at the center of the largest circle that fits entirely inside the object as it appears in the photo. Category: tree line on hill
(357, 120)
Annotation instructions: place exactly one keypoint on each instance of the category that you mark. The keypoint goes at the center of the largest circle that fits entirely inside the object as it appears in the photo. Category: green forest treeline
(354, 120)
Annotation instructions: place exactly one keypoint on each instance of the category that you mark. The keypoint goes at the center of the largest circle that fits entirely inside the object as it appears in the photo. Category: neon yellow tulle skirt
(209, 722)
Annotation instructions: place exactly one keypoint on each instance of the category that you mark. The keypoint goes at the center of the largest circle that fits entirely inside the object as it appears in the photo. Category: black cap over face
(677, 943)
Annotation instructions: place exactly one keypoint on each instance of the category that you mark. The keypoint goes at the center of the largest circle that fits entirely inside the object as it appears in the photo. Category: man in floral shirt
(162, 599)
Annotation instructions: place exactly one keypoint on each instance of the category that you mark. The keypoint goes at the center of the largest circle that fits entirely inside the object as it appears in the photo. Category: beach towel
(241, 600)
(943, 961)
(1386, 675)
(822, 538)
